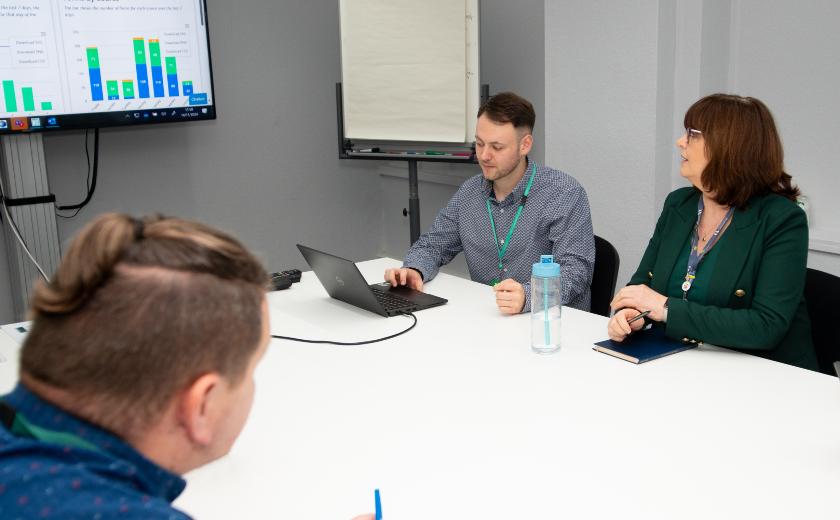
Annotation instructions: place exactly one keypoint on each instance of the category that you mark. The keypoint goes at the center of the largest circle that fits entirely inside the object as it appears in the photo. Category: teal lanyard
(501, 249)
(18, 425)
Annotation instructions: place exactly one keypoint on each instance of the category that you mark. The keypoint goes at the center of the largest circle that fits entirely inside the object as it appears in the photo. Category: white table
(458, 419)
(9, 355)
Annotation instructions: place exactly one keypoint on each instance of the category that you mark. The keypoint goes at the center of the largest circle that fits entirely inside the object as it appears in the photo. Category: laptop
(343, 281)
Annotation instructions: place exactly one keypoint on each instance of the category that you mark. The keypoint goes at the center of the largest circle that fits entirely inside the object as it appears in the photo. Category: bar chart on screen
(28, 98)
(29, 65)
(125, 71)
(79, 56)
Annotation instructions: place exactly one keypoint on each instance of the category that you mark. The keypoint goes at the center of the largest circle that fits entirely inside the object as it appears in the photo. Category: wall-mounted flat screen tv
(69, 64)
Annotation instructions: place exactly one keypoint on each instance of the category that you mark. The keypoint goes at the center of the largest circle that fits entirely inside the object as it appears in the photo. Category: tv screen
(68, 64)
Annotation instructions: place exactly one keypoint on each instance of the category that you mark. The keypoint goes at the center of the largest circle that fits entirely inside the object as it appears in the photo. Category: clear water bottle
(545, 306)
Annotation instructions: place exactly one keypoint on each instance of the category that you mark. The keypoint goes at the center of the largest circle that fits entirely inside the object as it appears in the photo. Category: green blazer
(755, 301)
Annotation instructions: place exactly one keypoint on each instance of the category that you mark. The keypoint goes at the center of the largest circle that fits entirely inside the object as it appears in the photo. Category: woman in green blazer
(727, 260)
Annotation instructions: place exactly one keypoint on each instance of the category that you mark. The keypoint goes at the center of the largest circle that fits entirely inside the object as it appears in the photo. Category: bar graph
(95, 73)
(157, 67)
(9, 96)
(172, 75)
(113, 89)
(142, 69)
(26, 101)
(128, 89)
(155, 75)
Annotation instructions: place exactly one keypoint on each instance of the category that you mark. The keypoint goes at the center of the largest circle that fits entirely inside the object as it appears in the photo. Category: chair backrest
(821, 290)
(604, 276)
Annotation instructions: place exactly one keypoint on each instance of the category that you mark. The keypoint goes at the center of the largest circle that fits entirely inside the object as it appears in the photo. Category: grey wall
(512, 55)
(785, 53)
(267, 168)
(620, 76)
(601, 99)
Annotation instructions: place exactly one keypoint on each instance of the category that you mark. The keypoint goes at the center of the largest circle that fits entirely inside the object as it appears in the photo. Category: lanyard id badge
(694, 257)
(501, 248)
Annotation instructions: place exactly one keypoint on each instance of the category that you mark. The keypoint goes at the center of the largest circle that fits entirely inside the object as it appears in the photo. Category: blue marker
(378, 504)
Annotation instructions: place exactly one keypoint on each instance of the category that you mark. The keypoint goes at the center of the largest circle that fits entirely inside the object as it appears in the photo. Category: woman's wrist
(660, 311)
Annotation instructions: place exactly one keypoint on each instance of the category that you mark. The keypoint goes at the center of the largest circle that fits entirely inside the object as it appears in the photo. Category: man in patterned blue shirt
(504, 219)
(138, 368)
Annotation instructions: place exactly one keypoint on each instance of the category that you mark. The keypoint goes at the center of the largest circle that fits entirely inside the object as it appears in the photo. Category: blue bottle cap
(546, 267)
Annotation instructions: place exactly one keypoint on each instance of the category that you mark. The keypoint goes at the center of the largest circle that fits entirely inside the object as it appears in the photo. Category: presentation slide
(60, 57)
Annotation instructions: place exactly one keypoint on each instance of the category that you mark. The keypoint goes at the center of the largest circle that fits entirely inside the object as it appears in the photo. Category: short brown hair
(137, 310)
(745, 153)
(507, 107)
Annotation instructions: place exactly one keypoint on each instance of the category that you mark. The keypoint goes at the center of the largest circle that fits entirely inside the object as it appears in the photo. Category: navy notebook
(643, 346)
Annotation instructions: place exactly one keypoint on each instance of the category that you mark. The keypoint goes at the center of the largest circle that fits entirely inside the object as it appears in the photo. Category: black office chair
(604, 276)
(821, 290)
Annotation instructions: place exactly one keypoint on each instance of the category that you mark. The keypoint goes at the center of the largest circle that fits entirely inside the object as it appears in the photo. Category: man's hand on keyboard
(404, 276)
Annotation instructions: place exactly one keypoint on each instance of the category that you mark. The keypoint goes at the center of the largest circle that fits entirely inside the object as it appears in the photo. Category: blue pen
(378, 504)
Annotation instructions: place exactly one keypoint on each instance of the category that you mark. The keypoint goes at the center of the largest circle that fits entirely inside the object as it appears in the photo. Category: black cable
(87, 177)
(354, 342)
(92, 175)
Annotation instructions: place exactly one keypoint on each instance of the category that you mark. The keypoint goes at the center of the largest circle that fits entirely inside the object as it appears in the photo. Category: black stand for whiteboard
(345, 151)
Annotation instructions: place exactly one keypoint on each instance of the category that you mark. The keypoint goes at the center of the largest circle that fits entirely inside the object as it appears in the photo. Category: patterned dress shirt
(47, 480)
(555, 220)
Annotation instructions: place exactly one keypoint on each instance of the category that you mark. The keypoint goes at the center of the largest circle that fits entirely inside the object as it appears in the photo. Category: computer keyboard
(391, 302)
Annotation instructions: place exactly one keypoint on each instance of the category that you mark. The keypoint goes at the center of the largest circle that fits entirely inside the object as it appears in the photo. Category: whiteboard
(410, 69)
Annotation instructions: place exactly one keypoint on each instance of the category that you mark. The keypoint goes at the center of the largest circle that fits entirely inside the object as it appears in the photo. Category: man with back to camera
(481, 218)
(138, 368)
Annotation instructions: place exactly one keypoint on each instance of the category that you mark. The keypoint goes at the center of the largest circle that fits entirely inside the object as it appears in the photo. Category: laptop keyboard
(390, 301)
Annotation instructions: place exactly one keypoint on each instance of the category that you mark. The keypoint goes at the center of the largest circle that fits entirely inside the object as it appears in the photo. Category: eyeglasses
(690, 132)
